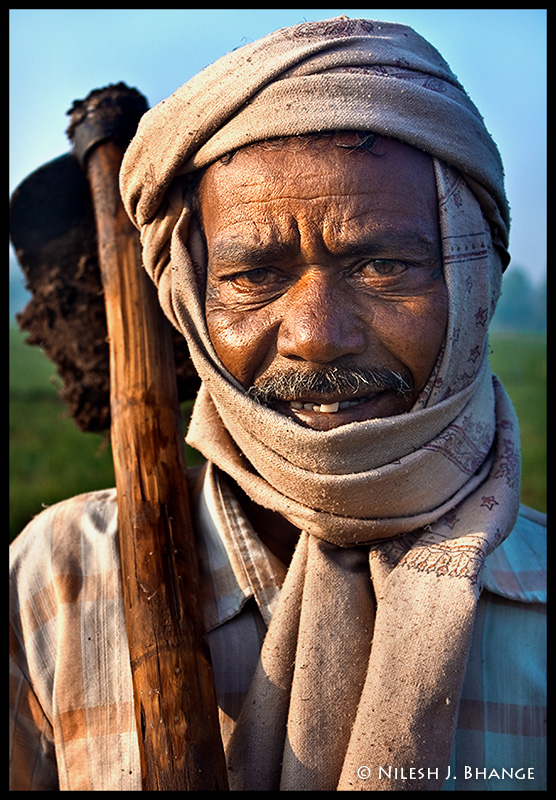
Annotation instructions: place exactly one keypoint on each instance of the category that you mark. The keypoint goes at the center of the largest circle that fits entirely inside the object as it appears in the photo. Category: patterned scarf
(364, 659)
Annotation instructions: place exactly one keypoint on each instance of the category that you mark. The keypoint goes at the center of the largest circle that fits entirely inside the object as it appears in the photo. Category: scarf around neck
(363, 662)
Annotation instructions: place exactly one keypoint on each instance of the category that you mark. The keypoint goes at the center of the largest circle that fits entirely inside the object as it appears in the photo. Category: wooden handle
(175, 703)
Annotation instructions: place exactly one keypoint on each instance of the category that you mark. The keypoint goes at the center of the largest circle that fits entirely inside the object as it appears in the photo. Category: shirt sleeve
(32, 753)
(71, 702)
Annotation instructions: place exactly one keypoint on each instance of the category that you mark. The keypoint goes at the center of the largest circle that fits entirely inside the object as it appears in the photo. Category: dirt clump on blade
(66, 316)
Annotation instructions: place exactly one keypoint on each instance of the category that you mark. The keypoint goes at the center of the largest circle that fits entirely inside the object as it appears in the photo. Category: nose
(320, 322)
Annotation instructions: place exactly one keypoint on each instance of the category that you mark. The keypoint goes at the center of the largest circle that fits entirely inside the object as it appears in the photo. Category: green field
(50, 459)
(519, 360)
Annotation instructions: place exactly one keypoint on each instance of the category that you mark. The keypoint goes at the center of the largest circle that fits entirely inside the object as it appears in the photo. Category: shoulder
(71, 538)
(516, 570)
(91, 514)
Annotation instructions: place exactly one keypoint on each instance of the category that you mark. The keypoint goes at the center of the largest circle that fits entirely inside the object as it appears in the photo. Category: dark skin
(322, 256)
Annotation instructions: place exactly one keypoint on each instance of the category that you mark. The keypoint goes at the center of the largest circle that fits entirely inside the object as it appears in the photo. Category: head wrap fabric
(442, 479)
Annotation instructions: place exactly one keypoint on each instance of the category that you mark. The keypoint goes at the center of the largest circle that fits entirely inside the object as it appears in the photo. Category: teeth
(329, 408)
(326, 408)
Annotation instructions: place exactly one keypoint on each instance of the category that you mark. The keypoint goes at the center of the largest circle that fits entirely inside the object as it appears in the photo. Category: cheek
(413, 331)
(244, 341)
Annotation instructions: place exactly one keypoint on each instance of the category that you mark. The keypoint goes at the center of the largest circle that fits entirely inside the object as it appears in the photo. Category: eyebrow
(238, 252)
(390, 241)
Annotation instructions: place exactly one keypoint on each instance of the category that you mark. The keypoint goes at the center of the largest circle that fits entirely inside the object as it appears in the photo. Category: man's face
(324, 257)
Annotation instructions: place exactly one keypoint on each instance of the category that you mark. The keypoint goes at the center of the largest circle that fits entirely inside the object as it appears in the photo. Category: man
(324, 216)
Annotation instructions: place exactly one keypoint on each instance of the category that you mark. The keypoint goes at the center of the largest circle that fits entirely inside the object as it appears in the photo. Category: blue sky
(60, 55)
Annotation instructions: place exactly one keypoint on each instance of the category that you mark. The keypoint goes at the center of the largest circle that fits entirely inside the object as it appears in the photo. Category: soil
(53, 233)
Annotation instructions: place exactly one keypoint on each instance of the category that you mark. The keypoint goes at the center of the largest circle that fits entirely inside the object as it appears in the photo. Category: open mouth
(325, 416)
(327, 408)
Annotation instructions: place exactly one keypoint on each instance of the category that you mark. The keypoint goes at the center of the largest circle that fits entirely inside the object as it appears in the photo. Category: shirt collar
(517, 568)
(235, 565)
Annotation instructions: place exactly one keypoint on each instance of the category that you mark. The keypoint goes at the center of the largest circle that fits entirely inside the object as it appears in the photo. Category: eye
(383, 267)
(252, 277)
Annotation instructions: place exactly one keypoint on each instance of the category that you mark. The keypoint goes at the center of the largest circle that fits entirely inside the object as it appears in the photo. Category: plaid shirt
(73, 724)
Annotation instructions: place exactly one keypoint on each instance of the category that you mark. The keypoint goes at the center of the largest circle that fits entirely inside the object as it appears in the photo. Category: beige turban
(364, 659)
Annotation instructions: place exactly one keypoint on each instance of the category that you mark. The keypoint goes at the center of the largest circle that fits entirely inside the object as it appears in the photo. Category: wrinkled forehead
(367, 173)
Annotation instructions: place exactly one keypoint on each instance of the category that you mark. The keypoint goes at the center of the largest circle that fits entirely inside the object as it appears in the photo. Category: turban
(363, 661)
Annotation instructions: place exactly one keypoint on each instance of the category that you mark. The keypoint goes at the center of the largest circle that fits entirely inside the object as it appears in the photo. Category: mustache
(295, 384)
